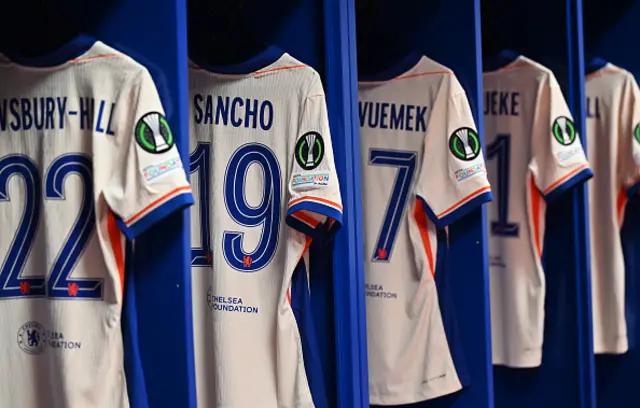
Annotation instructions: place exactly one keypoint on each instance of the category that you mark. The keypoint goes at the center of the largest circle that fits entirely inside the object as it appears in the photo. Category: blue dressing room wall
(344, 40)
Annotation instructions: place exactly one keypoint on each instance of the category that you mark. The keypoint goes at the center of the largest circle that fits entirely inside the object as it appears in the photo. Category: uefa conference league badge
(309, 150)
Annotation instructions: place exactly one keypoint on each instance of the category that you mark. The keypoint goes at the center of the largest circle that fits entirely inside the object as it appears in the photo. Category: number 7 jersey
(533, 155)
(421, 157)
(265, 185)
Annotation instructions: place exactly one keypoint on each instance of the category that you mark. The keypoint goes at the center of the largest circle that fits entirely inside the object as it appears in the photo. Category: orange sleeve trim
(115, 238)
(564, 178)
(318, 199)
(306, 218)
(266, 71)
(536, 198)
(421, 219)
(621, 203)
(464, 200)
(141, 213)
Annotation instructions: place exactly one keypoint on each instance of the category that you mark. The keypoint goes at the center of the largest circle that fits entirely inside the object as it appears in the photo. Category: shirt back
(86, 157)
(422, 167)
(613, 140)
(533, 154)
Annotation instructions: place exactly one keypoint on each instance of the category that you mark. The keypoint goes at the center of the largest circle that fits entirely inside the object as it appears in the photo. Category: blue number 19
(267, 214)
(406, 163)
(501, 149)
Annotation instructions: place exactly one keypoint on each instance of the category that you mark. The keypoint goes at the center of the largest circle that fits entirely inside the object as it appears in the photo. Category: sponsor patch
(161, 169)
(463, 174)
(567, 154)
(309, 179)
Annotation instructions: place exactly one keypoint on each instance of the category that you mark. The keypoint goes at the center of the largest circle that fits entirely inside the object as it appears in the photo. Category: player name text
(56, 113)
(501, 103)
(232, 111)
(385, 115)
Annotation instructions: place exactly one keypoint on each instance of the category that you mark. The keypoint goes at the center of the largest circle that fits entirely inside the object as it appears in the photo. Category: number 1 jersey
(86, 157)
(422, 167)
(533, 154)
(265, 185)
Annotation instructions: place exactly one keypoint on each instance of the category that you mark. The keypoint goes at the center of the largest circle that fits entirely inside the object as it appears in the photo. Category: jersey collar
(401, 67)
(265, 58)
(69, 51)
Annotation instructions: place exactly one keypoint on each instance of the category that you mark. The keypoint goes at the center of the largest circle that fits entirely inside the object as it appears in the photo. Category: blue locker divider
(448, 32)
(154, 33)
(348, 266)
(566, 376)
(611, 31)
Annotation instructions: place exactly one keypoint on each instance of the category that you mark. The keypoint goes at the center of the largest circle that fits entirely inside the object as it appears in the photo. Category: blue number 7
(406, 163)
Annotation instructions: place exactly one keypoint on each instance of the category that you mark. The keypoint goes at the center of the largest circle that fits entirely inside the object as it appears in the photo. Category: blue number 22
(406, 163)
(501, 149)
(59, 284)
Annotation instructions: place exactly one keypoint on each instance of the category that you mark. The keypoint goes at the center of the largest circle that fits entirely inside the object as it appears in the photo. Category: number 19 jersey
(421, 157)
(265, 186)
(533, 154)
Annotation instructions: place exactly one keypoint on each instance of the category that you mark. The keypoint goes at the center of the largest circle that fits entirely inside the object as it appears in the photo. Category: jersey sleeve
(452, 180)
(148, 181)
(629, 146)
(315, 204)
(558, 162)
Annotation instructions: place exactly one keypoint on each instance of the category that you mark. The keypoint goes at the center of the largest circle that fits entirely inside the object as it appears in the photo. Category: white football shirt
(613, 145)
(533, 154)
(85, 156)
(265, 185)
(421, 156)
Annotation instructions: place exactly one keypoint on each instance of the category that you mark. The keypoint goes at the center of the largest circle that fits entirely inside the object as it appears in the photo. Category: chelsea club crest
(32, 338)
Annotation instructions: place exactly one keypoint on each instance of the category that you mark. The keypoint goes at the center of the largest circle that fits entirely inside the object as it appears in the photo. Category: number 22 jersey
(86, 158)
(265, 185)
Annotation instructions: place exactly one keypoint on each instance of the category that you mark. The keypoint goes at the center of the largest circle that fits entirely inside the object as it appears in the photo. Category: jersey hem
(582, 176)
(422, 394)
(620, 347)
(532, 361)
(183, 200)
(459, 212)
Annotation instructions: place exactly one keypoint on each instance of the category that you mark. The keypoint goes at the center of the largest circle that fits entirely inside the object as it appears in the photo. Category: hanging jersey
(262, 163)
(86, 158)
(613, 144)
(533, 154)
(421, 157)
